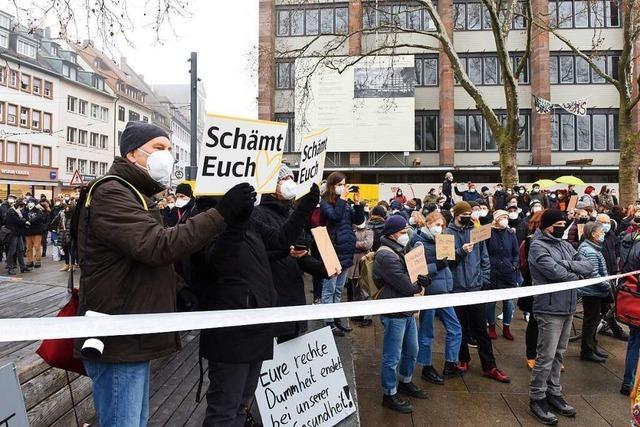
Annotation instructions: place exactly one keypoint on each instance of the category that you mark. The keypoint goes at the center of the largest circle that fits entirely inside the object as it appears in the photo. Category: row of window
(133, 116)
(130, 91)
(94, 168)
(79, 106)
(597, 131)
(584, 14)
(474, 16)
(25, 117)
(25, 82)
(25, 154)
(410, 17)
(485, 69)
(473, 134)
(311, 21)
(572, 69)
(83, 137)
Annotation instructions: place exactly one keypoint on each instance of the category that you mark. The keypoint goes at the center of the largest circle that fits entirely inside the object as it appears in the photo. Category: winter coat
(520, 227)
(630, 253)
(471, 271)
(37, 219)
(62, 225)
(340, 220)
(15, 222)
(127, 257)
(540, 197)
(523, 202)
(170, 216)
(503, 255)
(604, 200)
(4, 208)
(376, 224)
(441, 280)
(364, 243)
(553, 260)
(499, 200)
(588, 200)
(572, 235)
(430, 198)
(390, 271)
(525, 303)
(446, 191)
(611, 251)
(554, 203)
(592, 252)
(468, 196)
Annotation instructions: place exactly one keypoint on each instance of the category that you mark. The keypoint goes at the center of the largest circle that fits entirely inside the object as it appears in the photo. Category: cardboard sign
(480, 234)
(446, 246)
(327, 252)
(304, 384)
(416, 263)
(12, 410)
(573, 201)
(580, 230)
(240, 150)
(312, 155)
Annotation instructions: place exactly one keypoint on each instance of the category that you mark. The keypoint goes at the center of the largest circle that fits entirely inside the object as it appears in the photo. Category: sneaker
(540, 410)
(601, 354)
(30, 265)
(335, 331)
(492, 332)
(506, 332)
(463, 366)
(410, 389)
(531, 363)
(498, 375)
(366, 323)
(343, 328)
(431, 375)
(452, 369)
(558, 404)
(592, 357)
(317, 301)
(619, 333)
(625, 389)
(396, 404)
(471, 342)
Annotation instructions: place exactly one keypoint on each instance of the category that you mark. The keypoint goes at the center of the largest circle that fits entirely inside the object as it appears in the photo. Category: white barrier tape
(30, 329)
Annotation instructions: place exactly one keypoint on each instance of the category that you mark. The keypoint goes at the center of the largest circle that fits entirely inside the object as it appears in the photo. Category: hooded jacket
(504, 256)
(376, 224)
(553, 260)
(471, 271)
(441, 280)
(127, 257)
(340, 220)
(592, 252)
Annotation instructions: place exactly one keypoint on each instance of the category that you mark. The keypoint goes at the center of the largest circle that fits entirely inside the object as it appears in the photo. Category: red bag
(317, 219)
(59, 353)
(628, 302)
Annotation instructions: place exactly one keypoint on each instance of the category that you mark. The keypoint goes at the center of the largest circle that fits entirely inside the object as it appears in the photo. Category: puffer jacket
(472, 270)
(340, 220)
(593, 253)
(553, 260)
(630, 253)
(441, 280)
(503, 253)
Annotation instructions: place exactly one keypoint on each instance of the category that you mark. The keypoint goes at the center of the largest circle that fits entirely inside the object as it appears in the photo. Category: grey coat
(553, 260)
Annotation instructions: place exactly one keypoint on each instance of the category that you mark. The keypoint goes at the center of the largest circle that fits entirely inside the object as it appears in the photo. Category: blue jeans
(425, 334)
(399, 352)
(507, 312)
(631, 362)
(332, 289)
(120, 393)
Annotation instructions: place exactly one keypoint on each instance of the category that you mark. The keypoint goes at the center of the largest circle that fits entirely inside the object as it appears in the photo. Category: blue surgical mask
(606, 228)
(601, 238)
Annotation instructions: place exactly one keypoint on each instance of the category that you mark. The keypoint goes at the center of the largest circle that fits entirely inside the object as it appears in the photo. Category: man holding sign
(471, 273)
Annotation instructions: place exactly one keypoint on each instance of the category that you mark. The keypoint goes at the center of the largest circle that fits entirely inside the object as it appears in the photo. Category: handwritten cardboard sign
(312, 156)
(304, 384)
(580, 230)
(445, 246)
(573, 201)
(239, 150)
(327, 251)
(480, 234)
(416, 263)
(12, 409)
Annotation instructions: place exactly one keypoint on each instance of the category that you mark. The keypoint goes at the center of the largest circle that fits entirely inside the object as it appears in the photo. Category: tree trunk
(629, 159)
(508, 159)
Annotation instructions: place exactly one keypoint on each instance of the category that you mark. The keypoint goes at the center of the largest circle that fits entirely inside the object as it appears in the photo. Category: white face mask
(412, 221)
(475, 214)
(403, 240)
(513, 215)
(339, 189)
(436, 229)
(288, 189)
(31, 205)
(11, 201)
(503, 223)
(472, 190)
(159, 165)
(171, 205)
(483, 213)
(181, 203)
(536, 209)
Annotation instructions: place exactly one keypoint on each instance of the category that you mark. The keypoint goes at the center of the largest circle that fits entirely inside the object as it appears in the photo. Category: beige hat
(497, 214)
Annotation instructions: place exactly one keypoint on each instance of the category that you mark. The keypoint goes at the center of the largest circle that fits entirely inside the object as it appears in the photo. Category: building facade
(450, 133)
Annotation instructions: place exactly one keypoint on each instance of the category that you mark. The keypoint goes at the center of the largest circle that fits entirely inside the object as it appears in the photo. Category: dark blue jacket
(468, 196)
(472, 270)
(441, 280)
(503, 253)
(340, 220)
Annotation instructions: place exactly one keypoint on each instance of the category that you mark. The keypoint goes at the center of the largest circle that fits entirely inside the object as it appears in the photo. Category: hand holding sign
(416, 263)
(480, 234)
(312, 155)
(445, 247)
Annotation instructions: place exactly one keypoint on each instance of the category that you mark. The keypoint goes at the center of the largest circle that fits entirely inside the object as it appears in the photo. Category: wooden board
(480, 234)
(446, 246)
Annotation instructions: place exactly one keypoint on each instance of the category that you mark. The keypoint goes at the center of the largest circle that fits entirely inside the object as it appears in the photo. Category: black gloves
(309, 201)
(441, 264)
(236, 206)
(424, 281)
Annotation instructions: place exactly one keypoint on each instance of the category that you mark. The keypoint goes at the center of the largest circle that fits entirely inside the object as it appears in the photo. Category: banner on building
(542, 105)
(238, 150)
(312, 155)
(577, 107)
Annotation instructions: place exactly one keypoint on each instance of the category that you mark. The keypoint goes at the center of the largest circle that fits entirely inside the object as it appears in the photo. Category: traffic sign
(76, 179)
(179, 174)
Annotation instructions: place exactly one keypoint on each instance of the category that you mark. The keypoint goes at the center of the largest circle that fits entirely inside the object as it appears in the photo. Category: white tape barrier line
(29, 329)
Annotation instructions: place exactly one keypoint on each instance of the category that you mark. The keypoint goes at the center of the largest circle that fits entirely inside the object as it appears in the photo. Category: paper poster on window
(238, 150)
(312, 155)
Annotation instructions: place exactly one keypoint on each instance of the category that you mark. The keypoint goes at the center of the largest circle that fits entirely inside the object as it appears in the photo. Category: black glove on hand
(236, 206)
(424, 281)
(309, 201)
(441, 264)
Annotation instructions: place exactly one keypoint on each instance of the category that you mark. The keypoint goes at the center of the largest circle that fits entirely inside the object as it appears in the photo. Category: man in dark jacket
(516, 223)
(400, 344)
(35, 223)
(446, 190)
(17, 224)
(499, 198)
(471, 272)
(127, 257)
(552, 260)
(538, 195)
(170, 212)
(376, 224)
(470, 194)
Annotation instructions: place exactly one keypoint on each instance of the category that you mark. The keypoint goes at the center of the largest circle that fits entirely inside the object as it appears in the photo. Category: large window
(36, 120)
(25, 48)
(485, 69)
(288, 118)
(82, 166)
(285, 78)
(474, 16)
(121, 114)
(584, 14)
(25, 82)
(93, 140)
(12, 153)
(37, 86)
(35, 155)
(426, 131)
(25, 116)
(46, 122)
(82, 137)
(104, 142)
(473, 134)
(133, 116)
(82, 107)
(312, 20)
(71, 165)
(12, 114)
(597, 131)
(23, 154)
(572, 69)
(48, 89)
(401, 15)
(427, 70)
(72, 135)
(72, 104)
(46, 156)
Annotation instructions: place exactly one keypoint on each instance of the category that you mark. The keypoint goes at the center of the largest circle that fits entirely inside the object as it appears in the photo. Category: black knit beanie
(550, 217)
(136, 134)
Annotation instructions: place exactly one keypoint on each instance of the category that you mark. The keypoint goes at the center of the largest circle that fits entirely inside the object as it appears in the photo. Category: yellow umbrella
(569, 180)
(545, 183)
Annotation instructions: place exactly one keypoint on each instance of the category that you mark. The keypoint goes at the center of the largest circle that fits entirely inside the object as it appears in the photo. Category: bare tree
(626, 85)
(507, 132)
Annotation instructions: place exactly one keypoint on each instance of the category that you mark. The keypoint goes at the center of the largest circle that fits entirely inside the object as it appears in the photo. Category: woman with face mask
(400, 197)
(340, 219)
(62, 225)
(504, 256)
(441, 283)
(170, 212)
